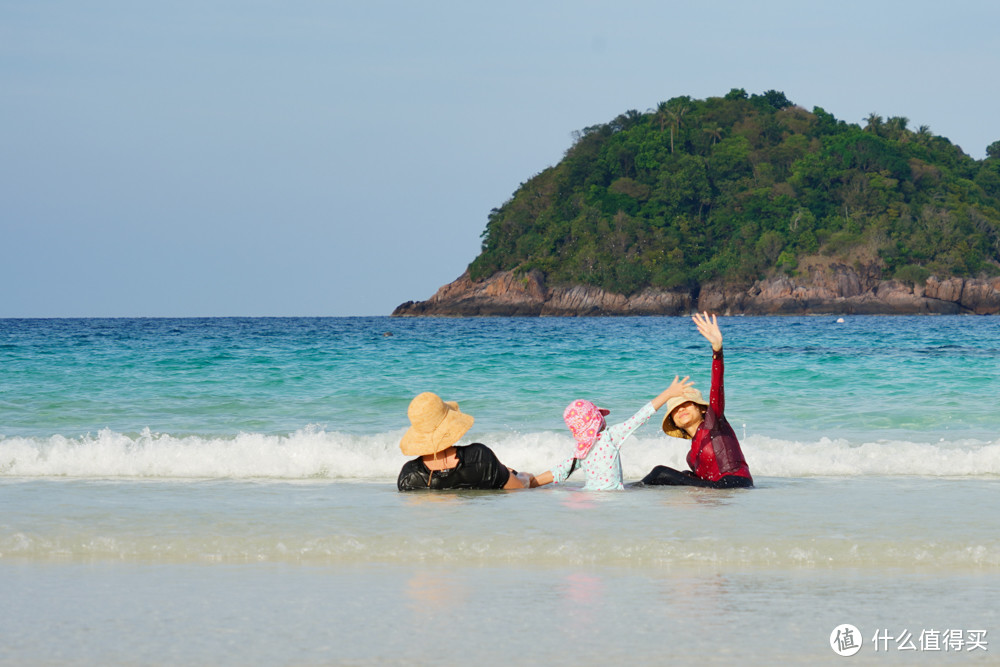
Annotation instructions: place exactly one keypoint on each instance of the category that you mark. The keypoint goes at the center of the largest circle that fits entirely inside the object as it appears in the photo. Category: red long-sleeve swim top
(715, 451)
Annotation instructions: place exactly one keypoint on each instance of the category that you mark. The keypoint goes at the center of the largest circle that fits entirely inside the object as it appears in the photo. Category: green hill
(737, 188)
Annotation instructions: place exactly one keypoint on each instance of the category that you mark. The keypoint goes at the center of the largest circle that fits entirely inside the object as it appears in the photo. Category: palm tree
(661, 115)
(896, 126)
(676, 113)
(874, 123)
(715, 134)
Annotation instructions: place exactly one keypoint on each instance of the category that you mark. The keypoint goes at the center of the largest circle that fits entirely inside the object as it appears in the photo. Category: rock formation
(829, 288)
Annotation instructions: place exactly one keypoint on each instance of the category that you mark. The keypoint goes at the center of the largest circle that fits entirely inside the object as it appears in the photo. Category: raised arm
(709, 328)
(676, 388)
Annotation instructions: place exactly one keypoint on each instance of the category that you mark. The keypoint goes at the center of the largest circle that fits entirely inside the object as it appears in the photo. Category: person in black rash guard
(440, 464)
(477, 467)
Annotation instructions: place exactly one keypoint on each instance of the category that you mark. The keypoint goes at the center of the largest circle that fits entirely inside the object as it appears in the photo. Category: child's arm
(676, 388)
(541, 480)
(621, 432)
(559, 473)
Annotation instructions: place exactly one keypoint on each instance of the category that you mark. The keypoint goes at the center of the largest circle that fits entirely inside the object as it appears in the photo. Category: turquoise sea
(222, 492)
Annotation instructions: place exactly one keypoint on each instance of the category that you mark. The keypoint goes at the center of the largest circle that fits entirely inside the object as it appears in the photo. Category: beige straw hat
(669, 427)
(435, 425)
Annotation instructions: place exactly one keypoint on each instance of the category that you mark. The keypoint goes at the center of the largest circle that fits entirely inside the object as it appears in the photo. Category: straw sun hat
(435, 425)
(669, 427)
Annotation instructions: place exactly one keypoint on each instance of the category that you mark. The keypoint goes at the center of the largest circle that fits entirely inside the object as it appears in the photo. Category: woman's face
(687, 415)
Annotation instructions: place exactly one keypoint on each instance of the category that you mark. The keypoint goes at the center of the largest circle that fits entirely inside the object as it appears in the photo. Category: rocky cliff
(821, 288)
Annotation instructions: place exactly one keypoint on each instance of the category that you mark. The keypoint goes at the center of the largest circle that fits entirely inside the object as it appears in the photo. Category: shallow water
(265, 614)
(914, 523)
(221, 492)
(261, 573)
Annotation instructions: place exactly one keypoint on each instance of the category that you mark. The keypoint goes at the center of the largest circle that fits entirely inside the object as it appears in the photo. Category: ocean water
(222, 492)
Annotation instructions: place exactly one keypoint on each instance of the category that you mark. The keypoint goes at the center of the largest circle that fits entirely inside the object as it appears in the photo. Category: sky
(337, 158)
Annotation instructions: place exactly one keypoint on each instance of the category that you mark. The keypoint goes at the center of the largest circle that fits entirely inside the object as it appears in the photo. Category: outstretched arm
(542, 480)
(558, 473)
(709, 328)
(676, 388)
(515, 481)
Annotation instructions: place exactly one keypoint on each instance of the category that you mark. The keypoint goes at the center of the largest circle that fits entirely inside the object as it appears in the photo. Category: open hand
(676, 388)
(709, 328)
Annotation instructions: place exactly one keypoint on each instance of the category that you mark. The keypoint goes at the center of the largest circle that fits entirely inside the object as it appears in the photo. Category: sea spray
(314, 453)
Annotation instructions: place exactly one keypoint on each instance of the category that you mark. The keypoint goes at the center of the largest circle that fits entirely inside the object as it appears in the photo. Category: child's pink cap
(585, 421)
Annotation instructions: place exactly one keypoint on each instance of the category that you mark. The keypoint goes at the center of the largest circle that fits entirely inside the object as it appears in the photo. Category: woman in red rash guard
(716, 459)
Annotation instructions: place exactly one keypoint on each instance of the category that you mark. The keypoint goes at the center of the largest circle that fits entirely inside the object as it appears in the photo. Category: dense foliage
(735, 188)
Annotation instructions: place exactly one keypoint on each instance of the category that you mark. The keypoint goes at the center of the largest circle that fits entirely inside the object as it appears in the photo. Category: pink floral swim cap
(585, 421)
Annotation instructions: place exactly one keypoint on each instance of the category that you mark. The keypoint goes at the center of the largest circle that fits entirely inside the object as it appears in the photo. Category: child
(597, 445)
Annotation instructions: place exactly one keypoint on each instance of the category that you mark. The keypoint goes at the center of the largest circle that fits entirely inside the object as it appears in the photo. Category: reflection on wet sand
(436, 590)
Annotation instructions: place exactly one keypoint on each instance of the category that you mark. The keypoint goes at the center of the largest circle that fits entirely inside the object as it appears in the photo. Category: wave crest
(314, 453)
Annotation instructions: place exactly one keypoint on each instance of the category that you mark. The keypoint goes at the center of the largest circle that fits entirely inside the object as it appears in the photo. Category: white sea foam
(773, 457)
(314, 453)
(549, 551)
(308, 453)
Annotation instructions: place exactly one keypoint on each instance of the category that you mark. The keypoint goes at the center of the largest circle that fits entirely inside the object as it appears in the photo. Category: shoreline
(837, 290)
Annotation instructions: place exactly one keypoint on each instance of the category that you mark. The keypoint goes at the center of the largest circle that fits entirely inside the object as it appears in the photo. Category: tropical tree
(662, 116)
(874, 123)
(676, 113)
(896, 126)
(715, 134)
(623, 210)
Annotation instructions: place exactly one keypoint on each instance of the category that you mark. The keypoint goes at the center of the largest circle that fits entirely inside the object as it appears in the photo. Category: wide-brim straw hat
(435, 425)
(669, 427)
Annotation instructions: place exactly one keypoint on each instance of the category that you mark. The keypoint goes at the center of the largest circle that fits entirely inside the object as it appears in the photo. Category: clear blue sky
(199, 158)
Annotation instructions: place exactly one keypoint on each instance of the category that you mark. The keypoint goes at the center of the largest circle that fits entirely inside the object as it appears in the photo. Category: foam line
(314, 453)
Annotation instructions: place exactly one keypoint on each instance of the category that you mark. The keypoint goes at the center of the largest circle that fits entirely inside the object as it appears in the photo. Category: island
(742, 204)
